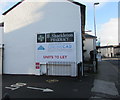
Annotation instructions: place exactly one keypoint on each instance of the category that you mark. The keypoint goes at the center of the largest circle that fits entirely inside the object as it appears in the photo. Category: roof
(77, 3)
(118, 46)
(106, 46)
(89, 36)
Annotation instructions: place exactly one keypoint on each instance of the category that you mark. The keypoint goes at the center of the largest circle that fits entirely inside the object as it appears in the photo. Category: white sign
(61, 49)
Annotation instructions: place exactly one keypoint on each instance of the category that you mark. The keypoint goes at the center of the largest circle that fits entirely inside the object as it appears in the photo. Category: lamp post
(95, 18)
(94, 60)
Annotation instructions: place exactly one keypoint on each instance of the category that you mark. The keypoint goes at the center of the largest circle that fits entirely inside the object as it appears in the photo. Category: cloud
(108, 32)
(97, 0)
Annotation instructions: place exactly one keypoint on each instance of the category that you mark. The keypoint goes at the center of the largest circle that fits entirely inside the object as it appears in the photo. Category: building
(117, 51)
(118, 36)
(44, 38)
(1, 46)
(109, 51)
(106, 51)
(89, 45)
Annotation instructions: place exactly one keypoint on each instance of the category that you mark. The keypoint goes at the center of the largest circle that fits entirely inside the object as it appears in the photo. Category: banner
(60, 47)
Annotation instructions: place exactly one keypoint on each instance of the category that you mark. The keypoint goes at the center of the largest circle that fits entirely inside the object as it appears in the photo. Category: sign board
(60, 37)
(60, 47)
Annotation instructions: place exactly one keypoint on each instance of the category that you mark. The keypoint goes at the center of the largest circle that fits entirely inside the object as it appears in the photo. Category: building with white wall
(30, 29)
(89, 45)
(107, 51)
(110, 51)
(117, 51)
(1, 45)
(118, 39)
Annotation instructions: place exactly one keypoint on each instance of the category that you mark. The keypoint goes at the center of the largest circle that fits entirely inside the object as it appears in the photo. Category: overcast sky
(106, 18)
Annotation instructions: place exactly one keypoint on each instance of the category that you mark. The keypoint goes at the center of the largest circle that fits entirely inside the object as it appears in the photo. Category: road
(116, 63)
(103, 85)
(56, 87)
(106, 84)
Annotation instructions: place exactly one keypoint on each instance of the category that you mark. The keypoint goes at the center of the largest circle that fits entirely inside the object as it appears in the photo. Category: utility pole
(94, 61)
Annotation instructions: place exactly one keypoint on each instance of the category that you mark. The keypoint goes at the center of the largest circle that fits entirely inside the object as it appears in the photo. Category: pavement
(105, 81)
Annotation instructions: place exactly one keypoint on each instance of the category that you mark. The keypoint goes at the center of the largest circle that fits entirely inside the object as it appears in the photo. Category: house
(44, 38)
(89, 45)
(107, 51)
(117, 51)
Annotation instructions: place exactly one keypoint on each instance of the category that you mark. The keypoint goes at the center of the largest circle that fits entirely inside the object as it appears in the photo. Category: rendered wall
(26, 20)
(88, 44)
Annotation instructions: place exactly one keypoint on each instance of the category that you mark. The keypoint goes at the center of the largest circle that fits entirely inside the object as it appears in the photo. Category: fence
(62, 68)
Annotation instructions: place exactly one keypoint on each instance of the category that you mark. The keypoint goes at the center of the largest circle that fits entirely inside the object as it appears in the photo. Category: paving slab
(105, 81)
(105, 87)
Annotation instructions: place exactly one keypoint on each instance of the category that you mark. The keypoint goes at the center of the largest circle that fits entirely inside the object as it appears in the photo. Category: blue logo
(41, 48)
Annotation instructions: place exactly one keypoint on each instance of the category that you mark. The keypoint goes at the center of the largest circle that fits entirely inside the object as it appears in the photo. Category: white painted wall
(1, 34)
(107, 52)
(116, 50)
(89, 44)
(103, 52)
(27, 19)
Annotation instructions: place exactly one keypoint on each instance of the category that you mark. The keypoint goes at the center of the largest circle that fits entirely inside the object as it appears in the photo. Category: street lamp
(94, 18)
(94, 61)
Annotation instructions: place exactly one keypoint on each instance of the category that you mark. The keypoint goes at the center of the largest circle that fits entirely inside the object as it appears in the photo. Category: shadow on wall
(20, 43)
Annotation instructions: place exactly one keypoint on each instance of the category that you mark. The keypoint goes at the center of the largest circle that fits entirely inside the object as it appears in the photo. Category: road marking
(16, 86)
(12, 88)
(52, 80)
(96, 97)
(105, 87)
(44, 90)
(21, 84)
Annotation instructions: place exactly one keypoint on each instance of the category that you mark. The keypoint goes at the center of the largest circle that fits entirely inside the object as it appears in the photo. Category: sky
(106, 14)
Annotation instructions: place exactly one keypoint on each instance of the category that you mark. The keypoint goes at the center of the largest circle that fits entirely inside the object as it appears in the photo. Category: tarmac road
(102, 85)
(63, 87)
